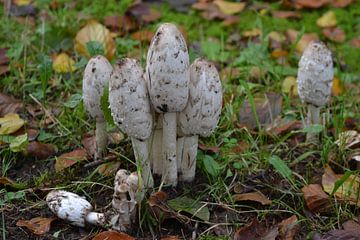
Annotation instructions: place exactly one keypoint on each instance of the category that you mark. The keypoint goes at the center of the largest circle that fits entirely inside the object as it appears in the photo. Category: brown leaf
(231, 20)
(355, 42)
(252, 196)
(68, 159)
(170, 238)
(9, 105)
(256, 231)
(112, 235)
(334, 34)
(40, 150)
(89, 143)
(315, 198)
(108, 169)
(143, 35)
(284, 126)
(144, 13)
(351, 232)
(121, 24)
(213, 149)
(288, 228)
(229, 8)
(286, 14)
(341, 3)
(6, 181)
(3, 58)
(299, 4)
(4, 69)
(337, 87)
(278, 53)
(304, 40)
(38, 225)
(209, 10)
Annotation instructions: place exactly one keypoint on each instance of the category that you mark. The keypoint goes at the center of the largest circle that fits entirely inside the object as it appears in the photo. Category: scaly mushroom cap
(129, 99)
(201, 114)
(69, 206)
(96, 76)
(167, 70)
(315, 74)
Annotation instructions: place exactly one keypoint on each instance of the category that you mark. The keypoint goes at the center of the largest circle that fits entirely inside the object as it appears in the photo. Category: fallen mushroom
(167, 76)
(96, 77)
(315, 76)
(130, 109)
(201, 114)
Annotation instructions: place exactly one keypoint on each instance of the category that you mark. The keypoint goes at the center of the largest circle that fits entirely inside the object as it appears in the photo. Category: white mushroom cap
(96, 76)
(69, 206)
(167, 70)
(315, 74)
(201, 114)
(129, 99)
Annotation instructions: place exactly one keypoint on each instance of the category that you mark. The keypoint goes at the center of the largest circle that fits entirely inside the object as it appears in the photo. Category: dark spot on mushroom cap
(93, 69)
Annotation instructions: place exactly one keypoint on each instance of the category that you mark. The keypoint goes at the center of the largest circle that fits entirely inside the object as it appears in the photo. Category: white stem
(156, 147)
(141, 153)
(95, 218)
(313, 117)
(188, 163)
(169, 149)
(101, 138)
(179, 153)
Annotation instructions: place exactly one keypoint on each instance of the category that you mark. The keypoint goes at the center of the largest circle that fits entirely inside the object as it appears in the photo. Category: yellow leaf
(22, 2)
(63, 64)
(94, 31)
(229, 8)
(10, 123)
(289, 86)
(337, 87)
(327, 20)
(252, 33)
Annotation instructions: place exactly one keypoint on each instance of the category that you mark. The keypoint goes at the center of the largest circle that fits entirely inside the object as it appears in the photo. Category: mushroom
(201, 114)
(315, 76)
(130, 109)
(96, 77)
(73, 208)
(167, 76)
(156, 146)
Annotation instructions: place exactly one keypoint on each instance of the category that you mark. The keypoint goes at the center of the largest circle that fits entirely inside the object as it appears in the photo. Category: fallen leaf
(341, 3)
(337, 87)
(89, 143)
(288, 228)
(231, 20)
(209, 10)
(170, 238)
(4, 69)
(9, 105)
(252, 196)
(315, 198)
(6, 181)
(38, 225)
(144, 13)
(213, 149)
(94, 32)
(252, 33)
(191, 206)
(121, 24)
(40, 150)
(304, 41)
(355, 42)
(63, 64)
(108, 169)
(283, 126)
(289, 86)
(229, 8)
(351, 232)
(334, 34)
(286, 14)
(299, 4)
(143, 35)
(256, 231)
(347, 191)
(19, 143)
(10, 123)
(3, 58)
(115, 137)
(68, 159)
(181, 6)
(279, 53)
(113, 235)
(22, 2)
(327, 20)
(23, 10)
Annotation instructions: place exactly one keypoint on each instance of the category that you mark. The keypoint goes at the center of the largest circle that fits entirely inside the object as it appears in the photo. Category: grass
(271, 165)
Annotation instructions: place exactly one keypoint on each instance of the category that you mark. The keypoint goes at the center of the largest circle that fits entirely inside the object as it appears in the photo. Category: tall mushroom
(315, 76)
(96, 77)
(201, 114)
(167, 76)
(130, 109)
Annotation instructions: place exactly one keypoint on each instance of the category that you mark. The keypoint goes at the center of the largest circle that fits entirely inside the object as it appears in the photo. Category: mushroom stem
(101, 138)
(156, 147)
(169, 149)
(141, 153)
(179, 152)
(313, 117)
(188, 163)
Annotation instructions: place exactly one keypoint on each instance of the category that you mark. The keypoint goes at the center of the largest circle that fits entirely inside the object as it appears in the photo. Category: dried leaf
(337, 87)
(143, 35)
(10, 123)
(355, 42)
(256, 231)
(4, 69)
(95, 32)
(3, 58)
(108, 169)
(351, 232)
(288, 228)
(279, 53)
(144, 13)
(231, 20)
(327, 20)
(191, 206)
(334, 34)
(38, 225)
(315, 198)
(252, 33)
(210, 10)
(170, 238)
(89, 143)
(40, 150)
(68, 159)
(6, 181)
(341, 3)
(63, 64)
(122, 24)
(213, 149)
(298, 4)
(304, 40)
(286, 14)
(9, 105)
(229, 8)
(349, 189)
(112, 235)
(252, 196)
(283, 126)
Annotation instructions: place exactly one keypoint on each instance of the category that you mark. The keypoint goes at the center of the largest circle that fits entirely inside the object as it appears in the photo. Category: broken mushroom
(315, 76)
(201, 114)
(96, 77)
(130, 109)
(167, 76)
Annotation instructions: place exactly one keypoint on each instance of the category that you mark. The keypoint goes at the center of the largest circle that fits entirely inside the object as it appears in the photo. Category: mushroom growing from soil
(167, 76)
(201, 114)
(96, 77)
(315, 76)
(130, 109)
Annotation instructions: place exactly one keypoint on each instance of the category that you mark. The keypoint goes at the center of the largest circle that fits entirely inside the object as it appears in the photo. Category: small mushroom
(167, 76)
(315, 76)
(130, 109)
(73, 208)
(201, 114)
(96, 77)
